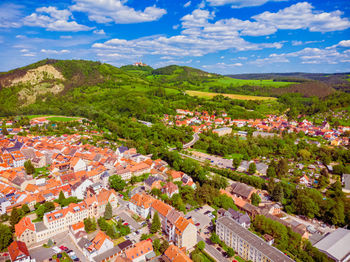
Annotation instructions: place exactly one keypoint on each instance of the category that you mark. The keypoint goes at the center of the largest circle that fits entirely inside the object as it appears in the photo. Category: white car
(56, 250)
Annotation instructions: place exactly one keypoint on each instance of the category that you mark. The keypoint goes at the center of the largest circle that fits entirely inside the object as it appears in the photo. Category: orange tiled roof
(16, 249)
(22, 225)
(142, 200)
(140, 249)
(175, 254)
(78, 225)
(161, 207)
(181, 225)
(98, 241)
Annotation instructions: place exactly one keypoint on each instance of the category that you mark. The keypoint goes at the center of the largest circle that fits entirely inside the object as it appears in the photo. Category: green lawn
(205, 257)
(62, 118)
(54, 118)
(263, 83)
(239, 259)
(35, 116)
(234, 156)
(210, 95)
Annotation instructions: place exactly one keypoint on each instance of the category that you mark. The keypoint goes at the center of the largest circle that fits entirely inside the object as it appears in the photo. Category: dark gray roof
(16, 147)
(272, 253)
(40, 226)
(244, 219)
(83, 242)
(150, 180)
(28, 153)
(346, 179)
(233, 213)
(107, 254)
(125, 244)
(18, 180)
(336, 244)
(241, 189)
(173, 216)
(122, 149)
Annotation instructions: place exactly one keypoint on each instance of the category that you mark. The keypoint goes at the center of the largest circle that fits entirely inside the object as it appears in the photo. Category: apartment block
(248, 245)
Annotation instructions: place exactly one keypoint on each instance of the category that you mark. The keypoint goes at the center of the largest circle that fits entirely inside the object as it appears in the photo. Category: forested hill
(99, 90)
(339, 81)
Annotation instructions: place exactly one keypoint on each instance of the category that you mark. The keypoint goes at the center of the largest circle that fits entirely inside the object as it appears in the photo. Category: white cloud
(307, 56)
(175, 27)
(24, 50)
(198, 37)
(55, 52)
(105, 11)
(271, 59)
(28, 54)
(344, 43)
(296, 42)
(54, 20)
(302, 16)
(187, 4)
(222, 66)
(99, 32)
(10, 15)
(66, 37)
(240, 3)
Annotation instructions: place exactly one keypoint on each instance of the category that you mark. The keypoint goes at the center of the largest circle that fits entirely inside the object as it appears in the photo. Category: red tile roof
(16, 249)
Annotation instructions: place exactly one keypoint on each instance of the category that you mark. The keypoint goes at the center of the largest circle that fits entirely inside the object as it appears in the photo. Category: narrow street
(211, 250)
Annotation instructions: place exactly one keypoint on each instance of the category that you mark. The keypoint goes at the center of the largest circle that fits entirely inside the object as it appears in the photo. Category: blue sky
(223, 36)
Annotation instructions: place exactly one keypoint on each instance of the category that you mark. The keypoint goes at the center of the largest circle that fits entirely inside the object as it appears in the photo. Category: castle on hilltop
(139, 64)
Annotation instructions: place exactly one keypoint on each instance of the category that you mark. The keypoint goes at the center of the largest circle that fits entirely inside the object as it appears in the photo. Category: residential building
(248, 245)
(18, 252)
(336, 245)
(170, 189)
(242, 219)
(175, 254)
(100, 244)
(242, 190)
(346, 181)
(25, 231)
(141, 204)
(4, 203)
(79, 188)
(304, 180)
(141, 251)
(222, 131)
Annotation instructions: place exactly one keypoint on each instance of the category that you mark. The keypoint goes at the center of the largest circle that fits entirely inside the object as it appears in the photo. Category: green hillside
(101, 91)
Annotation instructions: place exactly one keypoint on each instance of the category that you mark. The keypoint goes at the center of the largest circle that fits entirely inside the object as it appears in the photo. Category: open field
(55, 118)
(232, 96)
(261, 83)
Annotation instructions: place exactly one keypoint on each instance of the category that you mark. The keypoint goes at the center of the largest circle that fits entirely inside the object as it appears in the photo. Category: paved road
(129, 220)
(42, 253)
(307, 223)
(211, 250)
(192, 142)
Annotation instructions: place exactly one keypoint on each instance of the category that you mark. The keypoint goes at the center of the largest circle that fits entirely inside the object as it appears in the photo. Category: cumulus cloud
(187, 4)
(10, 15)
(198, 37)
(308, 56)
(54, 20)
(271, 59)
(55, 52)
(105, 11)
(302, 16)
(240, 3)
(99, 32)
